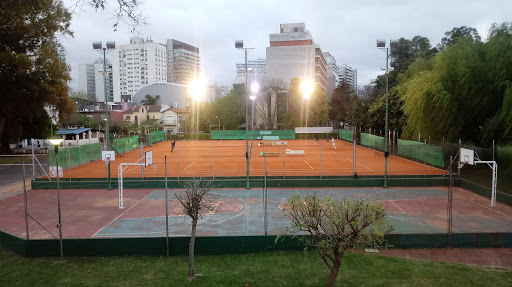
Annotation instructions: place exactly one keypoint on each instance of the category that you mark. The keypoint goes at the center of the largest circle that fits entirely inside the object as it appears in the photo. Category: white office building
(137, 64)
(349, 75)
(91, 81)
(256, 71)
(332, 73)
(294, 54)
(86, 80)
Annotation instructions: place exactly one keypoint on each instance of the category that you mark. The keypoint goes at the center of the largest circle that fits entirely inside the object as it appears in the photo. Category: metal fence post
(284, 162)
(166, 211)
(321, 159)
(354, 161)
(178, 147)
(34, 164)
(69, 162)
(25, 200)
(142, 160)
(213, 158)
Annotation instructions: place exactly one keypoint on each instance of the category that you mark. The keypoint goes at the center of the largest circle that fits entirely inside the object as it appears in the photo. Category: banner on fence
(241, 134)
(346, 135)
(375, 142)
(75, 156)
(313, 130)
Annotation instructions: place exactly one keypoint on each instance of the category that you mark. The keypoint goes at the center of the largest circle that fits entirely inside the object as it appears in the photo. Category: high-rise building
(137, 64)
(294, 54)
(332, 73)
(256, 71)
(349, 75)
(183, 62)
(86, 80)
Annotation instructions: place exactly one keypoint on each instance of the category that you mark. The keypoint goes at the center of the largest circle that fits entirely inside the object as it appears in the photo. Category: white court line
(484, 206)
(307, 163)
(118, 216)
(360, 164)
(397, 206)
(190, 165)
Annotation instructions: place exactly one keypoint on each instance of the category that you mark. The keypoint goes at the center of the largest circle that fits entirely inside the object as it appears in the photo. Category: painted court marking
(118, 217)
(190, 165)
(397, 206)
(307, 163)
(360, 164)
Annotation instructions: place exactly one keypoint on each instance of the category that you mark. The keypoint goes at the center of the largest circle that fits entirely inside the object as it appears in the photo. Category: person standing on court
(173, 144)
(333, 143)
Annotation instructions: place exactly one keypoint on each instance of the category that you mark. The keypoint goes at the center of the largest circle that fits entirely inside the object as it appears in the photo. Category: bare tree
(336, 225)
(196, 201)
(267, 107)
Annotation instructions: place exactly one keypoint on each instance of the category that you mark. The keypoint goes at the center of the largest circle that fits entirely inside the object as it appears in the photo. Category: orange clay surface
(227, 158)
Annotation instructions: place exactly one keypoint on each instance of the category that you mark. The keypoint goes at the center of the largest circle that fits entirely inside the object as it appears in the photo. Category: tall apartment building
(183, 62)
(332, 73)
(137, 64)
(86, 80)
(349, 75)
(256, 72)
(90, 80)
(294, 54)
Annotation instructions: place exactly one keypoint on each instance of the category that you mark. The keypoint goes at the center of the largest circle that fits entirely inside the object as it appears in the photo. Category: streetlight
(109, 45)
(255, 87)
(381, 44)
(56, 142)
(307, 88)
(239, 44)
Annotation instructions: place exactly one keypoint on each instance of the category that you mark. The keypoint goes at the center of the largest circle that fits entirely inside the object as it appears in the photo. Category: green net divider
(373, 141)
(346, 135)
(156, 137)
(241, 135)
(424, 152)
(75, 156)
(123, 145)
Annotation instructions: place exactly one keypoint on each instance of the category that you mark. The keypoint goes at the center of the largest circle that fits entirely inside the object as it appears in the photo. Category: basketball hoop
(460, 164)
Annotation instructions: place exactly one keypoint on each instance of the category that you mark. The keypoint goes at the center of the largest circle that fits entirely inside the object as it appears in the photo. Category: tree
(318, 111)
(32, 75)
(376, 112)
(339, 104)
(195, 200)
(149, 100)
(266, 103)
(457, 33)
(230, 108)
(126, 10)
(336, 225)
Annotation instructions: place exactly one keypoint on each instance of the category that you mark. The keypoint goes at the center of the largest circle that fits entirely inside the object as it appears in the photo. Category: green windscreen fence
(123, 145)
(156, 137)
(421, 151)
(375, 142)
(346, 135)
(240, 134)
(75, 156)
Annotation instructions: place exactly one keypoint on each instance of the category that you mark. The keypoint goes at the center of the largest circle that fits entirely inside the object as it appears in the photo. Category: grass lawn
(15, 159)
(268, 269)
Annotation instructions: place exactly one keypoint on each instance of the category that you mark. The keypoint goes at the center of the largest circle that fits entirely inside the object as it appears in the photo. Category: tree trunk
(334, 270)
(191, 274)
(2, 140)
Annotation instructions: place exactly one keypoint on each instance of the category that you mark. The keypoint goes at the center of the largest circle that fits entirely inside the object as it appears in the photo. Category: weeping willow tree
(462, 92)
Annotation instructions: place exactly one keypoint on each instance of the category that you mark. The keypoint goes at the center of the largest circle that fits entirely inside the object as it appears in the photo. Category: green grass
(15, 159)
(268, 269)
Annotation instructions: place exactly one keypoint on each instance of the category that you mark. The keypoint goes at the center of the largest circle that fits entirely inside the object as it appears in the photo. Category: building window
(127, 117)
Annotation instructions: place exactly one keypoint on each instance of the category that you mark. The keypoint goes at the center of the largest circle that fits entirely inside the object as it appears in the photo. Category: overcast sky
(346, 29)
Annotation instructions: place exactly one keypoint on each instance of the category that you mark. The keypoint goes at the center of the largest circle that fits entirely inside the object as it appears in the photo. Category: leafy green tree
(452, 36)
(376, 113)
(230, 109)
(336, 225)
(31, 74)
(340, 103)
(318, 110)
(149, 100)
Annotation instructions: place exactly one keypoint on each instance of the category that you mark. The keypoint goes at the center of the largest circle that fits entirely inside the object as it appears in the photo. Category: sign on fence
(53, 171)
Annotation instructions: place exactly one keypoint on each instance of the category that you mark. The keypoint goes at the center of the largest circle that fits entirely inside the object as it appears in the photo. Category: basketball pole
(386, 153)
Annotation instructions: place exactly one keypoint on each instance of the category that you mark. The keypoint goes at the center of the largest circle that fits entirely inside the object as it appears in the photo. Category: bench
(294, 152)
(269, 153)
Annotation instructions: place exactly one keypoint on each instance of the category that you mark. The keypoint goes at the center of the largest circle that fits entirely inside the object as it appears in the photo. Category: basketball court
(238, 212)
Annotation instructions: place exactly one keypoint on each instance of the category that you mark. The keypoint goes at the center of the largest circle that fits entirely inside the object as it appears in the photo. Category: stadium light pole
(255, 87)
(109, 45)
(381, 44)
(56, 142)
(197, 89)
(239, 44)
(307, 88)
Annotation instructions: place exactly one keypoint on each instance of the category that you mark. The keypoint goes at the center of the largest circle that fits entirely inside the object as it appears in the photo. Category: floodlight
(97, 45)
(393, 44)
(255, 87)
(197, 89)
(111, 45)
(252, 98)
(55, 141)
(239, 44)
(307, 88)
(381, 43)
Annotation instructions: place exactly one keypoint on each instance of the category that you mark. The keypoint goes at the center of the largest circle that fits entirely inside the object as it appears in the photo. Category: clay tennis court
(238, 212)
(227, 158)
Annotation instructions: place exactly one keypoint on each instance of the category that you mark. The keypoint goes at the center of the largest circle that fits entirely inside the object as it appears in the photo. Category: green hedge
(424, 152)
(375, 142)
(346, 135)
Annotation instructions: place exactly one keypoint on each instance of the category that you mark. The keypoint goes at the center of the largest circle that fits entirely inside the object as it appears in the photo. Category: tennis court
(227, 158)
(238, 212)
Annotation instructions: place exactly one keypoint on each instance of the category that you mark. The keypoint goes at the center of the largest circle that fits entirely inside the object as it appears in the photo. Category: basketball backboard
(467, 156)
(149, 158)
(108, 155)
